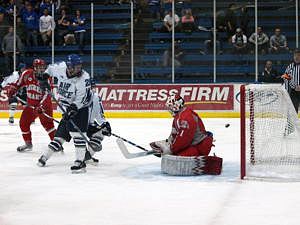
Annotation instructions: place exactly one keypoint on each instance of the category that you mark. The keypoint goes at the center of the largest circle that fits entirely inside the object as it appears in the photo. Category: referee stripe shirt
(293, 70)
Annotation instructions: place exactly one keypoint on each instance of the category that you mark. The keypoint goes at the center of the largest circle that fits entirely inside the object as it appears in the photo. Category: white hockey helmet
(174, 104)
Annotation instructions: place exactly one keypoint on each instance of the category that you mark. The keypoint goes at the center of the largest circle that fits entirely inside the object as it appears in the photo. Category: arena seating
(112, 43)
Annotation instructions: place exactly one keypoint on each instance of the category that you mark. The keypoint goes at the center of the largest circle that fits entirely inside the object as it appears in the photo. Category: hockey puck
(227, 125)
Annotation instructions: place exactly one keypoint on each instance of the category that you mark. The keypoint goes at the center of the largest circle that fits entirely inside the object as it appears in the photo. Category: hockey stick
(120, 141)
(72, 122)
(129, 155)
(45, 114)
(129, 142)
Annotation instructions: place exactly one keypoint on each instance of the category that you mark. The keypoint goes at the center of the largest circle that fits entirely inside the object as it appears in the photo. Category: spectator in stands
(243, 20)
(21, 30)
(111, 2)
(167, 5)
(7, 47)
(209, 44)
(63, 24)
(262, 41)
(278, 42)
(31, 20)
(45, 4)
(154, 8)
(231, 20)
(79, 30)
(270, 75)
(10, 9)
(188, 21)
(239, 42)
(168, 21)
(178, 55)
(220, 21)
(4, 24)
(47, 24)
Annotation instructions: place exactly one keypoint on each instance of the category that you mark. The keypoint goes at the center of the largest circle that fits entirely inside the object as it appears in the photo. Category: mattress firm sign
(153, 97)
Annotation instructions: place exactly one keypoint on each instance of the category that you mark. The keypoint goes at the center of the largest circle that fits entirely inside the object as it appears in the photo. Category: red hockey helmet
(39, 66)
(174, 103)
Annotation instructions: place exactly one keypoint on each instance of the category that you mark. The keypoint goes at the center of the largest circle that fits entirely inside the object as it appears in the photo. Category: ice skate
(88, 159)
(42, 161)
(11, 120)
(25, 148)
(78, 167)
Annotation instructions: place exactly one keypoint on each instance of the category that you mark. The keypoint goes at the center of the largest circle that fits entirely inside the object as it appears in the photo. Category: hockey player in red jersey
(188, 136)
(38, 103)
(188, 141)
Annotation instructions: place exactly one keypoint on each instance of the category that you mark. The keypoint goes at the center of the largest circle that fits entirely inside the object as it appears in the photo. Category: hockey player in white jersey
(13, 102)
(98, 128)
(75, 96)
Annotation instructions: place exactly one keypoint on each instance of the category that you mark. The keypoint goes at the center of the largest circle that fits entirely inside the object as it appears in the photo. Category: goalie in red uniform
(188, 137)
(38, 103)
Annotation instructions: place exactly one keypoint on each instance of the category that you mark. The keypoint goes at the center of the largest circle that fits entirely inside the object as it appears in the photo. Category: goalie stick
(129, 155)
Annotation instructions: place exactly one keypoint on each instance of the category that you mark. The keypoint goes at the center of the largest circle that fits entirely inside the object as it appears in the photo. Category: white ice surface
(134, 192)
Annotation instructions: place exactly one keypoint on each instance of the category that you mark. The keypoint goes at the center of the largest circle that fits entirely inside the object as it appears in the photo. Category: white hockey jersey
(10, 79)
(96, 111)
(75, 90)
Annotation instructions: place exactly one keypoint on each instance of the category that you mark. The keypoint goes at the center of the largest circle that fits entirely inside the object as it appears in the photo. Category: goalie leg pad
(191, 166)
(213, 165)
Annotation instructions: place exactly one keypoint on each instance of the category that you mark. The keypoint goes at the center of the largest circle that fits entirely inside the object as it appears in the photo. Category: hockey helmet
(39, 66)
(174, 103)
(74, 65)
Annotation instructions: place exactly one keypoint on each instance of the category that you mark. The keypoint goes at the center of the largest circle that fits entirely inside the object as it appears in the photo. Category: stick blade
(129, 155)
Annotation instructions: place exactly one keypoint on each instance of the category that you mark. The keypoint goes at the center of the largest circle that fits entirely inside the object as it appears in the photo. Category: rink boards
(148, 101)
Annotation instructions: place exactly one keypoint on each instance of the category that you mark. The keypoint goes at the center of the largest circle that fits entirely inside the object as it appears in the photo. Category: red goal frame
(243, 115)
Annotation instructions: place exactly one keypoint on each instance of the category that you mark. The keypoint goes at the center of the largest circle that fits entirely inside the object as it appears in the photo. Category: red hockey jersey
(33, 90)
(187, 130)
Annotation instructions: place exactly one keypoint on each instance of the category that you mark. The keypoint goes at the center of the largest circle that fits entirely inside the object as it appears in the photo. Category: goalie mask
(74, 66)
(174, 104)
(39, 67)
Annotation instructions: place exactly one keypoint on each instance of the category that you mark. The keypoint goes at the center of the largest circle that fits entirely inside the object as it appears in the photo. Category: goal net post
(270, 133)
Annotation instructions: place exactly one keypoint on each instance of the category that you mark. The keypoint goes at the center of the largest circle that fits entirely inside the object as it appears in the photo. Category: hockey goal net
(270, 133)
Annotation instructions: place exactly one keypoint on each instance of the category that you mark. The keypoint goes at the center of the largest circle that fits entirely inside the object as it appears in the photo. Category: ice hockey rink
(120, 191)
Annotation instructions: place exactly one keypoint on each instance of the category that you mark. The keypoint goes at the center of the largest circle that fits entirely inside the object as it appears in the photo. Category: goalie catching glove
(162, 147)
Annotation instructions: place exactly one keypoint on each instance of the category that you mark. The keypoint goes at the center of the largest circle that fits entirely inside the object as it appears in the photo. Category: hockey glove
(162, 147)
(106, 129)
(39, 109)
(71, 111)
(11, 91)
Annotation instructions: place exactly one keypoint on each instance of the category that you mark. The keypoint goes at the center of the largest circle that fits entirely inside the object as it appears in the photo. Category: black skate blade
(92, 161)
(24, 150)
(82, 170)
